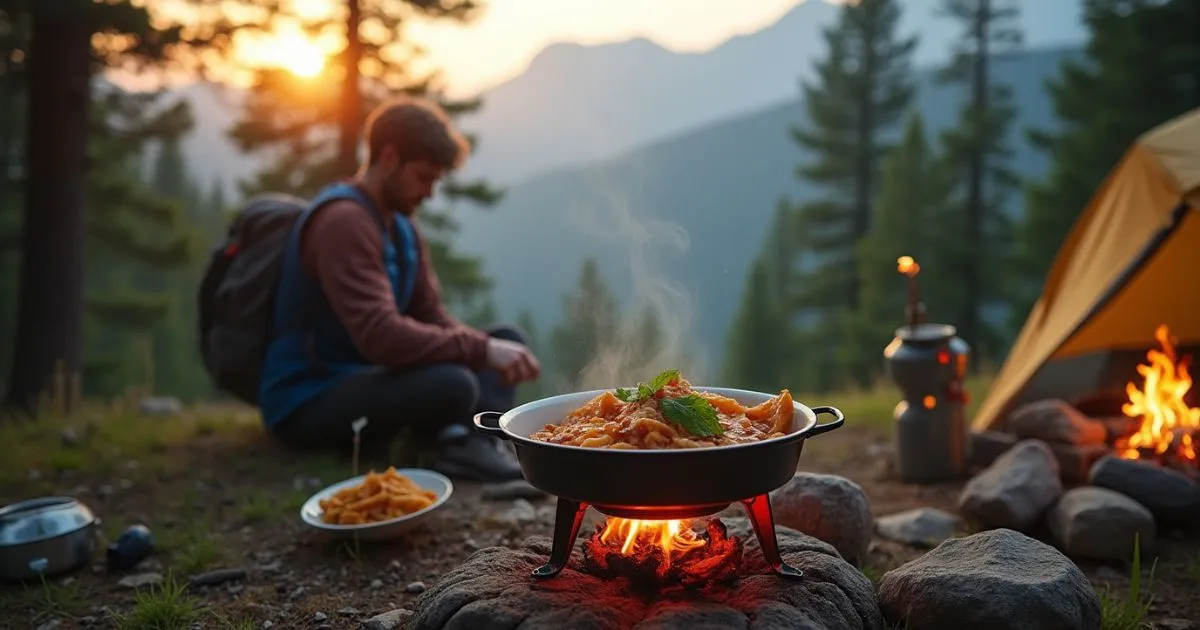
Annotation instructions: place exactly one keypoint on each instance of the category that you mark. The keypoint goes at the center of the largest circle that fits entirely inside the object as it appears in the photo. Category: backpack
(237, 291)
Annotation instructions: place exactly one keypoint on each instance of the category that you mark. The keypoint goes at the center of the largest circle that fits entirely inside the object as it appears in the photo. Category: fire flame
(907, 266)
(673, 537)
(1167, 421)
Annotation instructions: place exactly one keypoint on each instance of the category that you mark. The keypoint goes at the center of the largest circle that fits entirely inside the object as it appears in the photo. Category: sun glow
(289, 48)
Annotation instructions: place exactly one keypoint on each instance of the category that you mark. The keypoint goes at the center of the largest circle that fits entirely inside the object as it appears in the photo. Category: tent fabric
(1130, 263)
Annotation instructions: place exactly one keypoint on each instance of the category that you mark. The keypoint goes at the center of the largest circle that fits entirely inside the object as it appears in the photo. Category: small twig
(357, 426)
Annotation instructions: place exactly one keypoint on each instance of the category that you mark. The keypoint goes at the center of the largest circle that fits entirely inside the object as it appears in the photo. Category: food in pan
(379, 497)
(667, 413)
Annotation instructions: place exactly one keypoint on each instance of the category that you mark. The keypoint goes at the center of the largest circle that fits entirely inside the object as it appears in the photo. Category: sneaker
(477, 457)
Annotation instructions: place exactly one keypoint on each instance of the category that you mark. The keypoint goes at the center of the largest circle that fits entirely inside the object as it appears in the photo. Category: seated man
(360, 328)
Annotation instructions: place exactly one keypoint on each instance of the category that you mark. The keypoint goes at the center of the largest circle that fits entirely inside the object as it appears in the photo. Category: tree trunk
(351, 101)
(49, 330)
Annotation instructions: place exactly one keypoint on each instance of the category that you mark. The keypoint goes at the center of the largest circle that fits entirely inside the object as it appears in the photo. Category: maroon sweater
(342, 248)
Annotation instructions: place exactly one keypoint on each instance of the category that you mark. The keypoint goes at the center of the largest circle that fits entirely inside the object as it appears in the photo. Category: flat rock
(1169, 495)
(829, 508)
(390, 620)
(993, 580)
(1075, 461)
(138, 580)
(493, 589)
(920, 527)
(1098, 523)
(1055, 421)
(987, 446)
(1015, 490)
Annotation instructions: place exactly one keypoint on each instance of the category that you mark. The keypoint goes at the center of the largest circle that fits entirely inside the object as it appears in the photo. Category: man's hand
(515, 363)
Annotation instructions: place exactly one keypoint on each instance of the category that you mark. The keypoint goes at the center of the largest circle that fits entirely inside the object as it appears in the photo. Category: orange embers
(1169, 426)
(635, 537)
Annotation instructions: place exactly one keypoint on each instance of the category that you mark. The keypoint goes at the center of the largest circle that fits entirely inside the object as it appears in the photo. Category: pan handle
(491, 429)
(838, 420)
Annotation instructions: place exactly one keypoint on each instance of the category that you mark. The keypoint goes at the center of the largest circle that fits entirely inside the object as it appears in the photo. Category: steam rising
(647, 243)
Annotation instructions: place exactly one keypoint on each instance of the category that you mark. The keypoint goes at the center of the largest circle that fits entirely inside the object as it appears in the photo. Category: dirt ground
(217, 494)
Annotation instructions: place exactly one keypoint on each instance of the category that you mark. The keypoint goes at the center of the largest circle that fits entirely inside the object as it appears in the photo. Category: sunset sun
(299, 55)
(289, 49)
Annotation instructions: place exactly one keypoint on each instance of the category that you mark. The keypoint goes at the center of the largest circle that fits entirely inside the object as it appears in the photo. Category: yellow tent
(1130, 263)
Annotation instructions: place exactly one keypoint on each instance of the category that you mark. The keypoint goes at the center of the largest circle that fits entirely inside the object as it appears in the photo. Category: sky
(511, 32)
(499, 44)
(508, 34)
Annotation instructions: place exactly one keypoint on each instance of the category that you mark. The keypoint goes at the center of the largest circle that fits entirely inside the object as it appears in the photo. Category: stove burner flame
(654, 554)
(673, 538)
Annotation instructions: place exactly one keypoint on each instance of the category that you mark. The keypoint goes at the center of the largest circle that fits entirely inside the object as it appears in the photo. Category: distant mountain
(713, 189)
(576, 104)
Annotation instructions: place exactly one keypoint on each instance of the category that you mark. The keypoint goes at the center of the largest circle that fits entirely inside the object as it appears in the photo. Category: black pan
(655, 479)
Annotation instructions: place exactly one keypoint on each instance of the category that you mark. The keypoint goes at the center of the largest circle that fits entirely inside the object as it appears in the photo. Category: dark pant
(427, 399)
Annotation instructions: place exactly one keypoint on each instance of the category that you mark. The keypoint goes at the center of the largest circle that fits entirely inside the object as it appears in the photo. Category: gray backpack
(237, 292)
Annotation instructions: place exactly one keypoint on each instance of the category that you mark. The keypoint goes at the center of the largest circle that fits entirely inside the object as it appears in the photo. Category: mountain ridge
(717, 185)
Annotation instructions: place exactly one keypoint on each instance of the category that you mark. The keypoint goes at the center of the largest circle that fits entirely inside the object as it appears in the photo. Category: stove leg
(763, 521)
(567, 517)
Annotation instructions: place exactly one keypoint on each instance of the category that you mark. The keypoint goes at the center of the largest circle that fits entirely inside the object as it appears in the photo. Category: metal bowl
(45, 536)
(654, 478)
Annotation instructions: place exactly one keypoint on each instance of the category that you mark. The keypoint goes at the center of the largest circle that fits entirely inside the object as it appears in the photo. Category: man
(360, 329)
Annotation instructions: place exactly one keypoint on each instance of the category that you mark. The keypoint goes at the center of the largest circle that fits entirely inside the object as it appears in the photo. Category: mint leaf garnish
(627, 395)
(663, 378)
(644, 390)
(693, 413)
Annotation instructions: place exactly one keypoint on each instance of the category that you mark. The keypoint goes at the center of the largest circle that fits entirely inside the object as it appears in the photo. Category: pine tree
(533, 390)
(760, 340)
(915, 188)
(590, 324)
(978, 234)
(122, 225)
(313, 131)
(1125, 86)
(217, 211)
(756, 348)
(864, 87)
(142, 244)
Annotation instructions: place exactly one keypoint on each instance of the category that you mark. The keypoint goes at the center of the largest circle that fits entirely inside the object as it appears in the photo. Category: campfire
(654, 554)
(1169, 426)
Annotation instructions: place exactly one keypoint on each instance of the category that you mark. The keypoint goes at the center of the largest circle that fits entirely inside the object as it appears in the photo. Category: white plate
(310, 512)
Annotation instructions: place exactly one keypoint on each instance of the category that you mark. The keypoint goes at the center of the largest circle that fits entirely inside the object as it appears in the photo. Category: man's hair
(418, 129)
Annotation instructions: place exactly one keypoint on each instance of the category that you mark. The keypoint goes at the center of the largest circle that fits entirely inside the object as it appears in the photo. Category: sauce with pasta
(608, 422)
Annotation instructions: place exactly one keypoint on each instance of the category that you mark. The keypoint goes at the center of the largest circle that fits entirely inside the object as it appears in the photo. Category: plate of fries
(377, 505)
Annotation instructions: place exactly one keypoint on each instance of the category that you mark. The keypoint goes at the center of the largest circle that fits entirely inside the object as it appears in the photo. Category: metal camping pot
(45, 536)
(929, 363)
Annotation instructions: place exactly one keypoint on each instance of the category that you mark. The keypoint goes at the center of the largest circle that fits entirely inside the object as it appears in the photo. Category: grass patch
(873, 573)
(1128, 612)
(1189, 568)
(261, 505)
(193, 547)
(876, 405)
(100, 440)
(161, 608)
(43, 601)
(191, 541)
